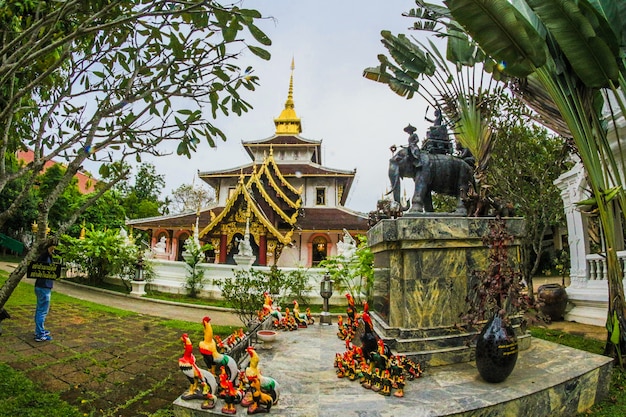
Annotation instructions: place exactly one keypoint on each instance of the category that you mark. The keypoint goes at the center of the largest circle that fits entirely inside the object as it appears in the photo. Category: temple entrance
(233, 249)
(181, 246)
(319, 250)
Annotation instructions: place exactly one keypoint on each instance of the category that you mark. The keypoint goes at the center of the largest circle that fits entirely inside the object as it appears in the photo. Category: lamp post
(326, 291)
(139, 270)
(138, 285)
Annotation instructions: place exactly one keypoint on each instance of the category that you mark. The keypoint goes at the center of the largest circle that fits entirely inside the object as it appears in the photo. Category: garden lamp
(326, 291)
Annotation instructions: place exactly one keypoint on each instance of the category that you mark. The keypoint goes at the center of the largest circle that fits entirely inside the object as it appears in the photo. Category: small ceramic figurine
(261, 402)
(202, 382)
(212, 357)
(309, 317)
(298, 317)
(229, 393)
(268, 385)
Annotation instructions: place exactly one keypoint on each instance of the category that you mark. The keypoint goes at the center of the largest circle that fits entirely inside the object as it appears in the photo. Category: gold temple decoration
(288, 123)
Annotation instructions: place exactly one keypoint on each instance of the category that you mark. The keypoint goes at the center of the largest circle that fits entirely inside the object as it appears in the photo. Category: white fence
(596, 266)
(169, 277)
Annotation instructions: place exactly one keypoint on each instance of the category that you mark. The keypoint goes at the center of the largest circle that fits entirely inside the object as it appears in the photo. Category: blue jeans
(43, 305)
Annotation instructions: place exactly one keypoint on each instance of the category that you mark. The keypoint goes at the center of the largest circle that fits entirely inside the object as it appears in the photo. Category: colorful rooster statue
(229, 393)
(267, 385)
(212, 357)
(300, 318)
(202, 382)
(261, 402)
(269, 309)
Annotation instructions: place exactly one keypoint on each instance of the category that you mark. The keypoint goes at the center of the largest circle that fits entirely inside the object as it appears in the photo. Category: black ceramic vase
(496, 350)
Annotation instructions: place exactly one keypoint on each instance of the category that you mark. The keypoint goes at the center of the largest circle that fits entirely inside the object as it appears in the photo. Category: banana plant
(567, 58)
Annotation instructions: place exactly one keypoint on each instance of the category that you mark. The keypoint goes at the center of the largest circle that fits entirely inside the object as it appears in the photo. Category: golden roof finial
(288, 122)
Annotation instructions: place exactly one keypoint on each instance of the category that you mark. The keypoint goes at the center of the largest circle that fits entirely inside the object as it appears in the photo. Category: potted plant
(499, 294)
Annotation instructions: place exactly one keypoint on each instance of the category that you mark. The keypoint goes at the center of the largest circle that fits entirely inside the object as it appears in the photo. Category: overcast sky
(331, 41)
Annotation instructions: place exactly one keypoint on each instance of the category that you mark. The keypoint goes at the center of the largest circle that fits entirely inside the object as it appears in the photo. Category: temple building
(284, 200)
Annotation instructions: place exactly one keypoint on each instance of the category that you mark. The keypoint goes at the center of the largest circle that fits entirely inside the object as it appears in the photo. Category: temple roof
(327, 219)
(287, 170)
(262, 190)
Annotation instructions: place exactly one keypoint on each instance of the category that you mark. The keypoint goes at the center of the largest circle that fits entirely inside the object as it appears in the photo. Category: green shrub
(355, 275)
(244, 292)
(104, 254)
(193, 255)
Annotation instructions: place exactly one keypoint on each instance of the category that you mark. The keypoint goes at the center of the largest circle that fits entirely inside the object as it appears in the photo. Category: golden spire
(288, 122)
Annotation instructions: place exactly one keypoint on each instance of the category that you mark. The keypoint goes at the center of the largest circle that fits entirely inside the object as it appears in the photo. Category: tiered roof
(268, 196)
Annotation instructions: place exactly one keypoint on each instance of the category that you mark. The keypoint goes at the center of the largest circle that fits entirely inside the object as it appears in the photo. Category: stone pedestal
(244, 260)
(138, 288)
(423, 274)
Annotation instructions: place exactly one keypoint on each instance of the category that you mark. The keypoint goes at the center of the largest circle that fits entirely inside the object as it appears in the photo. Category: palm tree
(565, 57)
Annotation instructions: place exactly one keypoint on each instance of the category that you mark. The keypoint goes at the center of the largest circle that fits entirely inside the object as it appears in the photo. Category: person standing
(43, 290)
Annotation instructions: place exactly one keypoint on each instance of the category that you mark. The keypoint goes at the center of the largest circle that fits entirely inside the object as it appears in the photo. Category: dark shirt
(44, 258)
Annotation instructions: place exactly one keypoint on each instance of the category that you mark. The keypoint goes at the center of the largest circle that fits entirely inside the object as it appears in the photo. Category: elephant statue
(444, 174)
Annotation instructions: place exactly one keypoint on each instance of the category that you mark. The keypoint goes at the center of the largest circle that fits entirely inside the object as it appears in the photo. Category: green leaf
(590, 56)
(260, 52)
(259, 35)
(503, 32)
(615, 335)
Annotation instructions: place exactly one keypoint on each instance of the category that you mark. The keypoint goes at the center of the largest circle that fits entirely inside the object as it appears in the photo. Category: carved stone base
(423, 272)
(244, 260)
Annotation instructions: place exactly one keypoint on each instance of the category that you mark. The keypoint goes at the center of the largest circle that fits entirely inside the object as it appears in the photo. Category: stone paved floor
(301, 360)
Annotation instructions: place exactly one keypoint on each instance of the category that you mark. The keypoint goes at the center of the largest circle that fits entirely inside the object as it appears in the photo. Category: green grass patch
(24, 294)
(567, 339)
(21, 397)
(197, 328)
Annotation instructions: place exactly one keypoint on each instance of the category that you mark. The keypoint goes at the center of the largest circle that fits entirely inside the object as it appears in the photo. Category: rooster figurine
(267, 385)
(298, 316)
(369, 338)
(212, 357)
(261, 402)
(202, 382)
(230, 394)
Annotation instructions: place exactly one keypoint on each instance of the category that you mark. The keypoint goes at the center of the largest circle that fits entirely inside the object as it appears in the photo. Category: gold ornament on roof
(288, 123)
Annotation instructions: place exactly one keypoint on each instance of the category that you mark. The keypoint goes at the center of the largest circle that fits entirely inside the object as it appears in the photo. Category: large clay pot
(496, 350)
(554, 298)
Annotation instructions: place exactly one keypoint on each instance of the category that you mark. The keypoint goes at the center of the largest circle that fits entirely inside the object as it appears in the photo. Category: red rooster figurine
(202, 382)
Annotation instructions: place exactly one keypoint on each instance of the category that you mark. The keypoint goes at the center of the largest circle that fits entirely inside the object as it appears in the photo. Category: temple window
(320, 196)
(319, 250)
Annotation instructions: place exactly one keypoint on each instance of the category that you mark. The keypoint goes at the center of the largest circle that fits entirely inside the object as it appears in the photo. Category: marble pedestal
(138, 288)
(423, 273)
(244, 260)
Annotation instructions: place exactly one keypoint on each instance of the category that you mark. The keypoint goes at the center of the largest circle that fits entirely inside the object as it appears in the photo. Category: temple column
(262, 250)
(223, 244)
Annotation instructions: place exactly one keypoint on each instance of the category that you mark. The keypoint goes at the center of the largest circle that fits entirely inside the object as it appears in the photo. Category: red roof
(86, 183)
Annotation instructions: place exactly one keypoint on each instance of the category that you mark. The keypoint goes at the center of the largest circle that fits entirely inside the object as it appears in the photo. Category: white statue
(245, 249)
(346, 248)
(160, 246)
